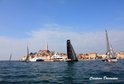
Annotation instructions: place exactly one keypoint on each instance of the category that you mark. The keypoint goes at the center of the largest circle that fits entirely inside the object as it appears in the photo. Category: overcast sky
(35, 22)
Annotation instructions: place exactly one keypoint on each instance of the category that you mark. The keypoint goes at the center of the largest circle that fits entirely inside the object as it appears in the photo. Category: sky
(35, 22)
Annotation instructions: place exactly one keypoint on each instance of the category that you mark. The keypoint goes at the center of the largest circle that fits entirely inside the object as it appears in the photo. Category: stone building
(120, 55)
(88, 56)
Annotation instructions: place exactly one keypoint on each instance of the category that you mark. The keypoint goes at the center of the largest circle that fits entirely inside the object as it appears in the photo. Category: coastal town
(48, 55)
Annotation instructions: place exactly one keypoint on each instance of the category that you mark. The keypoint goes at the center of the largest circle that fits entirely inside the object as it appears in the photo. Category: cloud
(56, 36)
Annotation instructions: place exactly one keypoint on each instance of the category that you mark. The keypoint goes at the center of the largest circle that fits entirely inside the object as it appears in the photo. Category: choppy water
(14, 72)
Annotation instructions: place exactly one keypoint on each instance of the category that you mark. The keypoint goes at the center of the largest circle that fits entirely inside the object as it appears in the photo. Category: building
(120, 55)
(87, 56)
(92, 55)
(101, 56)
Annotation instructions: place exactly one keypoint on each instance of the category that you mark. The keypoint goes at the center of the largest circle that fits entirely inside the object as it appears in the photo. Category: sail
(10, 57)
(112, 53)
(107, 43)
(27, 57)
(70, 52)
(109, 50)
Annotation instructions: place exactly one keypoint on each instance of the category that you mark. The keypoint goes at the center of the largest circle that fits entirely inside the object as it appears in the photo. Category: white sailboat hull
(114, 60)
(110, 60)
(36, 59)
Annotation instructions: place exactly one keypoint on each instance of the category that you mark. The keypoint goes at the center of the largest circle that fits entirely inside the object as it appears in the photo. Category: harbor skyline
(34, 23)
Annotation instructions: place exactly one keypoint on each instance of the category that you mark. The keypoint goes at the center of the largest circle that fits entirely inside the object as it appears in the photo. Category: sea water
(81, 72)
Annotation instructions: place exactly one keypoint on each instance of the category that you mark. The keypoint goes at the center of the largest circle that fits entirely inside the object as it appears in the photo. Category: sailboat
(56, 57)
(35, 59)
(110, 55)
(28, 55)
(10, 57)
(70, 52)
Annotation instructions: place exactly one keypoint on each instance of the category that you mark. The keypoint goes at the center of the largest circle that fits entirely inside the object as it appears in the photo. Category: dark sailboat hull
(40, 60)
(71, 60)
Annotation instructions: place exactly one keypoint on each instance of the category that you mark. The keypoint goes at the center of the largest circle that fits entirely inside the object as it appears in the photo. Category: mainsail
(70, 52)
(109, 50)
(27, 57)
(10, 57)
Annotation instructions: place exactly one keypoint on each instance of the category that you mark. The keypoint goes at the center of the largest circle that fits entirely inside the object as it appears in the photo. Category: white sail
(110, 55)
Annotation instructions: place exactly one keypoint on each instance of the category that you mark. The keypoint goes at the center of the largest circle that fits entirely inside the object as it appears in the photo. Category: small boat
(56, 57)
(110, 55)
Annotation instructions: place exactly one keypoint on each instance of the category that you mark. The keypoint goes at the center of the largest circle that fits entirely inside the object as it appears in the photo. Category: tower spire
(46, 46)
